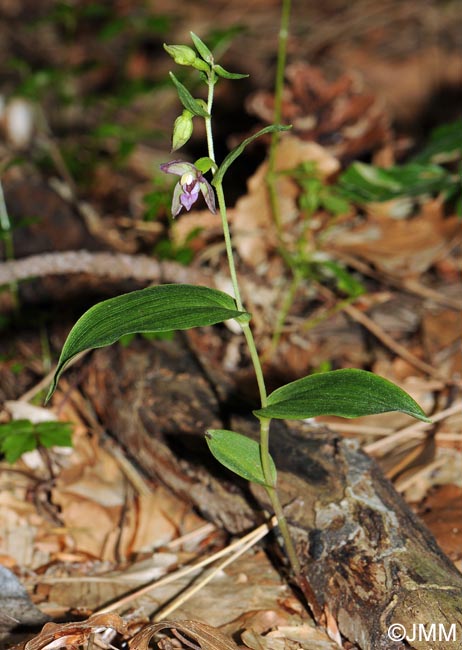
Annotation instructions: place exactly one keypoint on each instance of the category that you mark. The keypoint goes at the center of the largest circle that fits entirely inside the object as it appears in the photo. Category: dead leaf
(441, 329)
(23, 410)
(404, 248)
(442, 513)
(252, 220)
(338, 114)
(405, 84)
(89, 524)
(208, 637)
(68, 635)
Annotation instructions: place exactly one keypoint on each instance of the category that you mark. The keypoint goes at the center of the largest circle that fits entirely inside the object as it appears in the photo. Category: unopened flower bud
(181, 54)
(182, 130)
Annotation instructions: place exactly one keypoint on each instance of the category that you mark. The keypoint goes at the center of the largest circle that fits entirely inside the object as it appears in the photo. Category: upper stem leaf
(202, 48)
(188, 101)
(231, 157)
(348, 393)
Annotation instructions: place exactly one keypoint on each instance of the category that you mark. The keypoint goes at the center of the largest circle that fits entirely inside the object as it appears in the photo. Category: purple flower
(188, 187)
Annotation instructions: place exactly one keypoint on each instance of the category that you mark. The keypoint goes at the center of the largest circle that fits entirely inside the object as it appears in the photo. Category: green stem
(237, 294)
(281, 63)
(284, 312)
(274, 496)
(229, 248)
(264, 422)
(5, 227)
(278, 91)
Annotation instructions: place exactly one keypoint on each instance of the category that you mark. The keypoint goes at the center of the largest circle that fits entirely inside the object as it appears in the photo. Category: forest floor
(87, 113)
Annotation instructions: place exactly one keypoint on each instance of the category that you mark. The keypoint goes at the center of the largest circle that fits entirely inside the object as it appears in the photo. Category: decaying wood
(101, 264)
(370, 561)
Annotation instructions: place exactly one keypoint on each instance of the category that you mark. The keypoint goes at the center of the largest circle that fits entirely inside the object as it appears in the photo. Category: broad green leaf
(221, 72)
(364, 183)
(155, 309)
(54, 434)
(231, 157)
(348, 393)
(188, 101)
(202, 48)
(14, 447)
(19, 436)
(240, 454)
(15, 428)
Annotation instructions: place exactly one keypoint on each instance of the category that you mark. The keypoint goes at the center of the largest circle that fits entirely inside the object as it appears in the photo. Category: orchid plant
(347, 392)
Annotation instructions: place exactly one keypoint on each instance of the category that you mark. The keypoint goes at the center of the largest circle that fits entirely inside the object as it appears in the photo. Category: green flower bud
(182, 130)
(181, 54)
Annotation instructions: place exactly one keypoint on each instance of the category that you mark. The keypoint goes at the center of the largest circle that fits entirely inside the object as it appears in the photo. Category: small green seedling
(19, 436)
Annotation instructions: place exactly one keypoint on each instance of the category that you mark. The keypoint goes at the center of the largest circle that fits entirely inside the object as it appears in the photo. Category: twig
(201, 532)
(375, 329)
(181, 573)
(111, 265)
(409, 286)
(357, 429)
(421, 290)
(405, 484)
(416, 430)
(46, 381)
(182, 598)
(128, 470)
(390, 343)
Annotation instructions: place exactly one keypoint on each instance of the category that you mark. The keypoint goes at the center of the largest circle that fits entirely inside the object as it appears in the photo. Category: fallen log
(372, 564)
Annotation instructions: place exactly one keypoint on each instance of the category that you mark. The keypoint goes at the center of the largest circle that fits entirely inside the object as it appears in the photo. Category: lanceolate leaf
(348, 393)
(221, 72)
(155, 309)
(188, 101)
(239, 454)
(364, 183)
(444, 144)
(231, 157)
(202, 48)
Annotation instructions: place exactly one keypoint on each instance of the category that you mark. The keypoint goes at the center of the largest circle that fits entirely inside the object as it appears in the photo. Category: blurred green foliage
(424, 175)
(19, 436)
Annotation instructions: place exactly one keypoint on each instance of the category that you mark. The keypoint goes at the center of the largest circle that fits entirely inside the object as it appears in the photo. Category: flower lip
(187, 179)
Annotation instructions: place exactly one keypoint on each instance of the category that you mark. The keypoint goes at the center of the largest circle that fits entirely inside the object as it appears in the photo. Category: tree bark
(371, 563)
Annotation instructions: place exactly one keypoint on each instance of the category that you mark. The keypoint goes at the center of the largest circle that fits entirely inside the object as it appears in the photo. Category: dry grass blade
(416, 430)
(386, 339)
(209, 638)
(245, 542)
(259, 533)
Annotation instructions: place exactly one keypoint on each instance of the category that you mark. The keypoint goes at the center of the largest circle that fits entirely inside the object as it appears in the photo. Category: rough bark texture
(370, 561)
